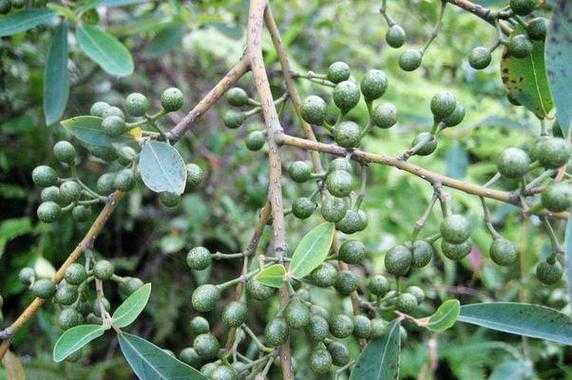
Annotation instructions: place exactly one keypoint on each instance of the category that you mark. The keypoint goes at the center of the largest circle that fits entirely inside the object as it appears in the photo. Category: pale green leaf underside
(130, 309)
(162, 168)
(312, 250)
(272, 275)
(74, 339)
(445, 316)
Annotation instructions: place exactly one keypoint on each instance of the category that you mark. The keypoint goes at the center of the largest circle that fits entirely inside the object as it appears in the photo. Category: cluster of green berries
(410, 59)
(7, 5)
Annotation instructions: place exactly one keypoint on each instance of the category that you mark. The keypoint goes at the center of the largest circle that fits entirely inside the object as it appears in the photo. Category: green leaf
(162, 168)
(150, 362)
(168, 38)
(312, 250)
(525, 78)
(380, 359)
(568, 245)
(56, 76)
(12, 228)
(74, 339)
(130, 309)
(558, 58)
(457, 161)
(272, 275)
(105, 50)
(444, 317)
(89, 132)
(21, 21)
(530, 320)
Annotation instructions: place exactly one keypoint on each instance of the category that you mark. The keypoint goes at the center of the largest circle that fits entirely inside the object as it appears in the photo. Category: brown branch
(484, 13)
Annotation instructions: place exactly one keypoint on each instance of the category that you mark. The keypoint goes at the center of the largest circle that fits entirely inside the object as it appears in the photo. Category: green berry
(536, 28)
(338, 72)
(341, 326)
(395, 36)
(276, 332)
(503, 252)
(297, 315)
(548, 273)
(417, 292)
(513, 163)
(346, 95)
(190, 356)
(27, 275)
(205, 297)
(233, 119)
(112, 111)
(136, 104)
(103, 270)
(5, 6)
(552, 152)
(341, 163)
(105, 183)
(169, 199)
(340, 353)
(422, 253)
(70, 192)
(410, 59)
(44, 176)
(333, 209)
(313, 110)
(300, 171)
(199, 258)
(318, 328)
(455, 229)
(237, 97)
(362, 326)
(64, 152)
(172, 99)
(43, 288)
(456, 251)
(324, 275)
(442, 105)
(224, 372)
(258, 290)
(480, 58)
(346, 282)
(354, 221)
(384, 115)
(255, 140)
(456, 117)
(195, 176)
(126, 155)
(347, 134)
(99, 108)
(378, 285)
(373, 85)
(352, 252)
(114, 126)
(51, 193)
(320, 360)
(208, 369)
(131, 284)
(75, 274)
(69, 317)
(49, 212)
(523, 7)
(378, 327)
(557, 197)
(303, 207)
(234, 314)
(519, 46)
(425, 142)
(124, 180)
(339, 183)
(66, 294)
(199, 325)
(398, 260)
(206, 345)
(406, 303)
(81, 213)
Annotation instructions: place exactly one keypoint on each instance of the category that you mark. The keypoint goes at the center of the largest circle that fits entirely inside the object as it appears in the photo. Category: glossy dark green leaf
(445, 316)
(150, 362)
(56, 76)
(457, 161)
(534, 321)
(162, 168)
(20, 21)
(167, 39)
(130, 309)
(74, 339)
(380, 359)
(568, 247)
(312, 250)
(272, 275)
(105, 50)
(558, 58)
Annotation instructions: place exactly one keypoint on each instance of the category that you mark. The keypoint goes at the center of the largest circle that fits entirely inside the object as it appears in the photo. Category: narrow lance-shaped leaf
(150, 362)
(74, 339)
(380, 359)
(312, 250)
(162, 168)
(522, 319)
(272, 275)
(56, 76)
(21, 21)
(130, 309)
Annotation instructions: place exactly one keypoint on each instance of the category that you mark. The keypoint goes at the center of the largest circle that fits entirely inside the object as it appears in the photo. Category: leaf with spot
(162, 168)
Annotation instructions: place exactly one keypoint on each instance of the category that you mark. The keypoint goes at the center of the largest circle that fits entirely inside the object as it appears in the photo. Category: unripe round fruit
(427, 143)
(456, 251)
(64, 152)
(70, 191)
(318, 328)
(5, 6)
(276, 332)
(523, 7)
(43, 288)
(346, 95)
(378, 327)
(44, 176)
(338, 72)
(443, 104)
(513, 163)
(105, 183)
(333, 209)
(224, 372)
(112, 111)
(378, 285)
(206, 345)
(124, 180)
(352, 252)
(172, 99)
(362, 326)
(131, 284)
(51, 193)
(398, 260)
(417, 292)
(395, 36)
(519, 46)
(69, 317)
(480, 58)
(340, 353)
(346, 282)
(297, 315)
(339, 183)
(199, 325)
(406, 303)
(320, 360)
(255, 140)
(536, 28)
(410, 59)
(503, 252)
(557, 197)
(258, 290)
(237, 97)
(75, 274)
(233, 119)
(324, 275)
(303, 207)
(199, 258)
(98, 109)
(313, 110)
(81, 213)
(354, 221)
(341, 326)
(347, 134)
(422, 253)
(103, 270)
(456, 117)
(208, 369)
(27, 275)
(96, 306)
(455, 229)
(169, 199)
(49, 212)
(114, 126)
(195, 176)
(66, 294)
(205, 297)
(373, 85)
(340, 163)
(234, 314)
(384, 115)
(549, 274)
(300, 171)
(136, 104)
(552, 152)
(240, 368)
(190, 356)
